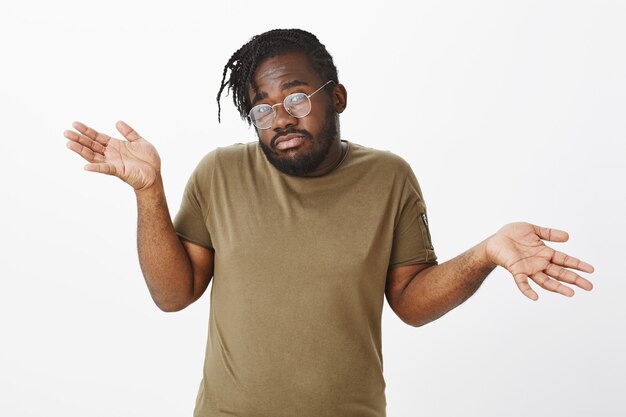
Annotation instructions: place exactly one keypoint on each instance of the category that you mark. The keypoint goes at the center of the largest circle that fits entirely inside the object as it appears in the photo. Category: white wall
(512, 111)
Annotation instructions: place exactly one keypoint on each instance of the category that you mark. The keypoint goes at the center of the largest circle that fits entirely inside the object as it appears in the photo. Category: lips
(287, 137)
(289, 141)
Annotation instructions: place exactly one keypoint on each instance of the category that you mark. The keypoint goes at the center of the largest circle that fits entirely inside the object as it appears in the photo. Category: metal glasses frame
(308, 96)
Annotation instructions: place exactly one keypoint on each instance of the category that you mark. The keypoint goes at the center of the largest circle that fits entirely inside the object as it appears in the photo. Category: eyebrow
(260, 95)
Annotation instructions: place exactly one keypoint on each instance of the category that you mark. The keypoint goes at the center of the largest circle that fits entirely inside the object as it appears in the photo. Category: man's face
(276, 78)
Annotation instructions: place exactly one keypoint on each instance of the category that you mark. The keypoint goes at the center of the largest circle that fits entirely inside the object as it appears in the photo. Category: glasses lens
(298, 104)
(262, 116)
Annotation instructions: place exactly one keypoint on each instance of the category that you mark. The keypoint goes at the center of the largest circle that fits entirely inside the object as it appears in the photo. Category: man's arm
(422, 293)
(177, 272)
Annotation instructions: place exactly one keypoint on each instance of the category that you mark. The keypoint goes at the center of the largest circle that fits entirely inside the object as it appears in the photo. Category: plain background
(506, 111)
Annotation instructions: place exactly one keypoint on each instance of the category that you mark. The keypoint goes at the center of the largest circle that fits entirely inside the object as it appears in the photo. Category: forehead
(274, 71)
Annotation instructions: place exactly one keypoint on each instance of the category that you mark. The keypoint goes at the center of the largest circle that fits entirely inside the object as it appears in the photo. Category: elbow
(422, 320)
(171, 300)
(171, 306)
(415, 323)
(408, 317)
(410, 320)
(415, 320)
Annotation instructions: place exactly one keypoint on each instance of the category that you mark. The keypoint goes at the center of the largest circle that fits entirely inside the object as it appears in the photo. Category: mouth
(289, 141)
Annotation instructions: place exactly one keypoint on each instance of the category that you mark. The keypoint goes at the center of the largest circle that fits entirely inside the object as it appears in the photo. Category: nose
(283, 119)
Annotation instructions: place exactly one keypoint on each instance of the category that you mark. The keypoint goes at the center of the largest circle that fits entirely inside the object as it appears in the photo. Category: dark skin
(177, 272)
(276, 78)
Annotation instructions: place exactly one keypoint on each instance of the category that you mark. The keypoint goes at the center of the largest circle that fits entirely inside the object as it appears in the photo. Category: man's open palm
(135, 160)
(519, 248)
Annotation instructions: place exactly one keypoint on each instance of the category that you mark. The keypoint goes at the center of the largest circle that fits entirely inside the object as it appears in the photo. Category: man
(304, 234)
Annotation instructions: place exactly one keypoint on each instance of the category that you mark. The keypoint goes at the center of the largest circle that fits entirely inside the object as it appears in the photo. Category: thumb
(129, 133)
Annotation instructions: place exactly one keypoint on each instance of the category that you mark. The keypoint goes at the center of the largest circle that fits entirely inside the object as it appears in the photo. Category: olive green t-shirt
(300, 265)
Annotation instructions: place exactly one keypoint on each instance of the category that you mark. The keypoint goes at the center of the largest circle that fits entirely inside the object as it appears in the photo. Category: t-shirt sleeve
(190, 221)
(412, 242)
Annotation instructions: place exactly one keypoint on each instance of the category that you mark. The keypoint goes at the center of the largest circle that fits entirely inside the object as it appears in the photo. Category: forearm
(438, 289)
(164, 262)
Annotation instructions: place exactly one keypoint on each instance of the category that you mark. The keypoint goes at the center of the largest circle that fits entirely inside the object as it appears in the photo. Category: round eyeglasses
(297, 104)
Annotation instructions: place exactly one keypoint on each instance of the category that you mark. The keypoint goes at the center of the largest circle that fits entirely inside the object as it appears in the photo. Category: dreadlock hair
(244, 62)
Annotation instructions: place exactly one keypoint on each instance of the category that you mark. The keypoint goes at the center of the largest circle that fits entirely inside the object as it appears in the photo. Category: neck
(335, 154)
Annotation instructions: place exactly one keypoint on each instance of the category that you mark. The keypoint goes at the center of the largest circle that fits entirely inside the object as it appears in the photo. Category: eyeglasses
(297, 104)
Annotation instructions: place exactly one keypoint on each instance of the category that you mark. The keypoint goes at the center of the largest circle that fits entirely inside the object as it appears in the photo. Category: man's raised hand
(519, 248)
(135, 160)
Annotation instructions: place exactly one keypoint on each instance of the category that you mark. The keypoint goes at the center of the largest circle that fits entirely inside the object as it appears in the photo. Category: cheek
(264, 136)
(314, 123)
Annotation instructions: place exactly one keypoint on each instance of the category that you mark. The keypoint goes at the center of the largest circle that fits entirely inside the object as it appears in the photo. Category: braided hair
(244, 62)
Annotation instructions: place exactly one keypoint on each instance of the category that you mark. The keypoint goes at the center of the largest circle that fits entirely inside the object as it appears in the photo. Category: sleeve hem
(196, 241)
(413, 262)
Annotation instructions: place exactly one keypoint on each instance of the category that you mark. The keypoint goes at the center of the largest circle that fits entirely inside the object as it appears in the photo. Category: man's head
(277, 64)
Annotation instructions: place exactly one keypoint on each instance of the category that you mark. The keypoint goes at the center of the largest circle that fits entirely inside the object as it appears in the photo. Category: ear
(340, 98)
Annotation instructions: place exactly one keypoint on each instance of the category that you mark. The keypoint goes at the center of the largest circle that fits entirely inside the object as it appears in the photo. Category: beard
(303, 163)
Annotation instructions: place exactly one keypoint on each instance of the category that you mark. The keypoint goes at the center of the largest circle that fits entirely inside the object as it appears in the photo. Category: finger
(550, 284)
(85, 152)
(103, 168)
(91, 133)
(568, 276)
(563, 259)
(85, 141)
(522, 283)
(552, 235)
(128, 132)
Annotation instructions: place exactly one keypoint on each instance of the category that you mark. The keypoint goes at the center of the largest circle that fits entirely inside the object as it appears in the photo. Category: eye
(296, 98)
(261, 110)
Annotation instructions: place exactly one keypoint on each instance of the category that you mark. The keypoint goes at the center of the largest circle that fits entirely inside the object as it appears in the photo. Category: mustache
(304, 133)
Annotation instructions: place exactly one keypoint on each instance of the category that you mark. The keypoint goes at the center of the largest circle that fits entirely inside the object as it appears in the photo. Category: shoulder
(222, 156)
(379, 159)
(236, 150)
